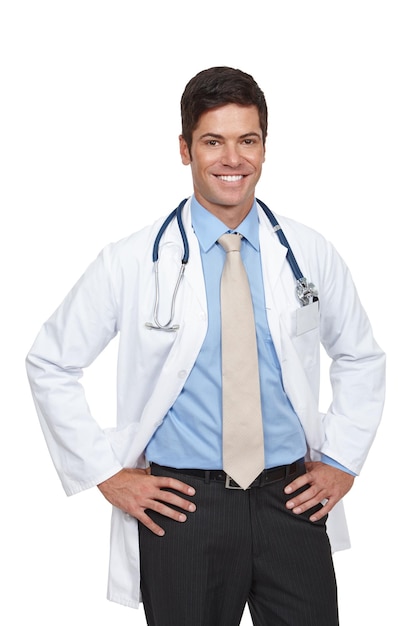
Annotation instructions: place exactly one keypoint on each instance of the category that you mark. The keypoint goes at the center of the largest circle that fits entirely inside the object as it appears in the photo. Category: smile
(230, 179)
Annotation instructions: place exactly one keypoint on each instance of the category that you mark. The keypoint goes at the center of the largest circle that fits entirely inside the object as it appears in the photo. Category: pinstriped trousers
(238, 547)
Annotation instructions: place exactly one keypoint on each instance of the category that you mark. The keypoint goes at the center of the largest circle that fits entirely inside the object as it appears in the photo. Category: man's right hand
(135, 490)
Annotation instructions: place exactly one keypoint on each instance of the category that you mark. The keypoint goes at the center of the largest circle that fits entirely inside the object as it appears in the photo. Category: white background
(88, 140)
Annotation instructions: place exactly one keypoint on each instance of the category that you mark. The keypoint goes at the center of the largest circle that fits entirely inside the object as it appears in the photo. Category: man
(206, 548)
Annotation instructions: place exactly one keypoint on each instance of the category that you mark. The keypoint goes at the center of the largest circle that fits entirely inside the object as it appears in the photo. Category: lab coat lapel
(272, 251)
(194, 277)
(280, 299)
(191, 316)
(273, 257)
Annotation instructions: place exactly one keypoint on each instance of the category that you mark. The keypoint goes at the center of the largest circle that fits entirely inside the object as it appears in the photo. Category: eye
(212, 142)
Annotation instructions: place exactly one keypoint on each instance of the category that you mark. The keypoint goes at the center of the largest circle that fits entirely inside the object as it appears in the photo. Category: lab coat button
(182, 374)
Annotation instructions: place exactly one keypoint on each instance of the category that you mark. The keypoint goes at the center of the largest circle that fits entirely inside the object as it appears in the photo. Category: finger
(297, 483)
(163, 509)
(305, 500)
(150, 524)
(319, 509)
(167, 511)
(163, 497)
(165, 482)
(322, 512)
(167, 490)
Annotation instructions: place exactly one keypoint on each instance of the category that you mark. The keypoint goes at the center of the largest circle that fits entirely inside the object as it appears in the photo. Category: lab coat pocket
(305, 334)
(306, 318)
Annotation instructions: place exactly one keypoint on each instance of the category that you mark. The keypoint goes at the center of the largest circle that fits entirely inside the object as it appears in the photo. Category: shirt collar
(209, 228)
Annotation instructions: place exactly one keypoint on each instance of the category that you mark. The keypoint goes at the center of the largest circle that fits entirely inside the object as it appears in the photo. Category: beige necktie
(243, 443)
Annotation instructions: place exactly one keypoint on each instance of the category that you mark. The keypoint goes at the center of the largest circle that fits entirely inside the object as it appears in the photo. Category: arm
(68, 342)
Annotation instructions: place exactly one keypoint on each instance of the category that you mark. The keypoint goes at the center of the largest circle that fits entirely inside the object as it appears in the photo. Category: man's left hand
(327, 485)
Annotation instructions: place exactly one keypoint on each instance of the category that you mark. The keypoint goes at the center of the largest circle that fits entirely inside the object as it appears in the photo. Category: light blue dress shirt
(191, 433)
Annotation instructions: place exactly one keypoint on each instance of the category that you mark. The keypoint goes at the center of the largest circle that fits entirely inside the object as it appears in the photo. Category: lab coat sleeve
(67, 343)
(357, 368)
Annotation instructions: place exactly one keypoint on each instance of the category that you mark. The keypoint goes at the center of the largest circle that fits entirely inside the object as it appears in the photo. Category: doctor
(192, 548)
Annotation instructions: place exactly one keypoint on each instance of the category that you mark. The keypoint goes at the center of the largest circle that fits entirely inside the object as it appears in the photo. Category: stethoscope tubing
(178, 214)
(306, 291)
(280, 233)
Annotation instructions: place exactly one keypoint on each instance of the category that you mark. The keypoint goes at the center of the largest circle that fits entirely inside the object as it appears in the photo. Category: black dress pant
(238, 547)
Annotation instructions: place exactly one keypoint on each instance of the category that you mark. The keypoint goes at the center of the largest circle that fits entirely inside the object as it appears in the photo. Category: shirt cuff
(329, 461)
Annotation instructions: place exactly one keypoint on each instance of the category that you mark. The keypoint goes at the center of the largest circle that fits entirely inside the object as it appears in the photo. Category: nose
(231, 155)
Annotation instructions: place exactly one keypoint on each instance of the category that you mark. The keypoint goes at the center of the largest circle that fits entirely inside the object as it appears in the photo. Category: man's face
(227, 154)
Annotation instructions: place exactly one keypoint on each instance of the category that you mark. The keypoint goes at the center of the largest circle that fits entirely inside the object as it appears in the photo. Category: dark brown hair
(216, 87)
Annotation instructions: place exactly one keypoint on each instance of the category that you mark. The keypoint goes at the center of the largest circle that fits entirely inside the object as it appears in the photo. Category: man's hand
(327, 485)
(135, 490)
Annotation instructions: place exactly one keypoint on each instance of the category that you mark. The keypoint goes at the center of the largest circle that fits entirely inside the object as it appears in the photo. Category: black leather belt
(268, 476)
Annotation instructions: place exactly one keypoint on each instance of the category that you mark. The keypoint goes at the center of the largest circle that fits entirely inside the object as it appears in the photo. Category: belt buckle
(228, 483)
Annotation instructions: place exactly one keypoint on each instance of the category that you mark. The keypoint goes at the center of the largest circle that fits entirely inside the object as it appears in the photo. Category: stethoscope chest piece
(307, 293)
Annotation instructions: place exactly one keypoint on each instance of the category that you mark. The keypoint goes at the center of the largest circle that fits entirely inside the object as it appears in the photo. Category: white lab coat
(116, 295)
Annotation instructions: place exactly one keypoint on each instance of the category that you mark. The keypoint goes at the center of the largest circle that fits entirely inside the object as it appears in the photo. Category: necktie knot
(230, 242)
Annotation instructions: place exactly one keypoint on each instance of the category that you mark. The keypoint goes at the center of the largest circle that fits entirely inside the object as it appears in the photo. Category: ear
(184, 152)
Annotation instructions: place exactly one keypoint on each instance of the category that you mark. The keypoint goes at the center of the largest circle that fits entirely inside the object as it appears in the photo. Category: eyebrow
(217, 136)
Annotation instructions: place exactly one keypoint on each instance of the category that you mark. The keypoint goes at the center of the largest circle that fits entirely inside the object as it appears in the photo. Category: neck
(231, 216)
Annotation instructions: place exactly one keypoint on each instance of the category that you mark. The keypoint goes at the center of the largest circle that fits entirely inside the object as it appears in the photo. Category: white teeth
(230, 179)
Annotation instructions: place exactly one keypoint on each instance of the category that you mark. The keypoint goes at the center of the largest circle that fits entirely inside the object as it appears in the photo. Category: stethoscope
(306, 292)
